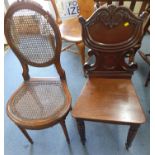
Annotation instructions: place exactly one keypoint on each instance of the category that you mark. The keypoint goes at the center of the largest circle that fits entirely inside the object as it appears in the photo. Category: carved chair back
(33, 36)
(111, 34)
(138, 5)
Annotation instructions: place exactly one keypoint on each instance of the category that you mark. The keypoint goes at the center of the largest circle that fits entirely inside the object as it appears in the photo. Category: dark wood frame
(49, 122)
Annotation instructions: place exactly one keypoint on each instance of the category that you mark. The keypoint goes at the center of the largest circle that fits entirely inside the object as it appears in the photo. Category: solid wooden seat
(111, 35)
(69, 31)
(109, 100)
(35, 39)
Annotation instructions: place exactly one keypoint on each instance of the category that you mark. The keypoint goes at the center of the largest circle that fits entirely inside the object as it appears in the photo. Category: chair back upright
(112, 33)
(86, 8)
(34, 36)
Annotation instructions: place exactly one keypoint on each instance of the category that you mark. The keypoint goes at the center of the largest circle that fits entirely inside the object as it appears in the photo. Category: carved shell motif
(112, 16)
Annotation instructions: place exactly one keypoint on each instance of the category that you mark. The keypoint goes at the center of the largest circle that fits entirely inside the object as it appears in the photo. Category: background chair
(137, 6)
(146, 58)
(71, 29)
(35, 39)
(110, 33)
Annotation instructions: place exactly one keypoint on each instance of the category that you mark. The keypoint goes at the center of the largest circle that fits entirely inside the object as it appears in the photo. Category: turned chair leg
(131, 135)
(63, 125)
(81, 129)
(81, 48)
(25, 134)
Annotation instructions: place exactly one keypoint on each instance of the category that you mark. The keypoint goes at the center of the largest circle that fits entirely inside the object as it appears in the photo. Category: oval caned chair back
(111, 34)
(33, 35)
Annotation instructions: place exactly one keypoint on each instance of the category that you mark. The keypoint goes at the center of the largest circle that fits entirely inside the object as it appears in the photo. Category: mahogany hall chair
(109, 95)
(35, 39)
(70, 29)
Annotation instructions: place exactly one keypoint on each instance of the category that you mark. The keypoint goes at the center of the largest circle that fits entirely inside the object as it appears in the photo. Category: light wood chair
(109, 96)
(35, 39)
(70, 29)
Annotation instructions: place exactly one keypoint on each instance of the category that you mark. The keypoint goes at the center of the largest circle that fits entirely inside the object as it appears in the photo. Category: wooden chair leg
(131, 135)
(25, 134)
(81, 129)
(63, 125)
(147, 80)
(81, 48)
(70, 108)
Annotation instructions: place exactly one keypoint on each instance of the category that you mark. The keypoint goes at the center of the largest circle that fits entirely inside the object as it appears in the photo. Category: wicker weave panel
(38, 100)
(33, 36)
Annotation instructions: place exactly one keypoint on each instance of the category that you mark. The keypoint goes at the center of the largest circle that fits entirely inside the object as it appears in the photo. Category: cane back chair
(109, 96)
(35, 39)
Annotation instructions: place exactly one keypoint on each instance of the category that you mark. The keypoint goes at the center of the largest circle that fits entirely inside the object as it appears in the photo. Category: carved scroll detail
(112, 16)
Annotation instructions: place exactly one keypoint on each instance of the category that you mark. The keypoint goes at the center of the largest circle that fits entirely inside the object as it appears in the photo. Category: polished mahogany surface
(113, 100)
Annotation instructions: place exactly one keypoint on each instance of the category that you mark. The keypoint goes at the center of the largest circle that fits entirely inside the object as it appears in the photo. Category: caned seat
(34, 37)
(38, 101)
(109, 100)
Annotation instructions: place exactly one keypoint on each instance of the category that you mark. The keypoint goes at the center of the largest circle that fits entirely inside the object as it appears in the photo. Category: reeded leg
(25, 134)
(81, 48)
(63, 125)
(81, 129)
(131, 135)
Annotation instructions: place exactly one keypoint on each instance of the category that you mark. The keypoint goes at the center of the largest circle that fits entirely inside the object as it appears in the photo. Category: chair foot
(81, 129)
(25, 134)
(131, 135)
(63, 125)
